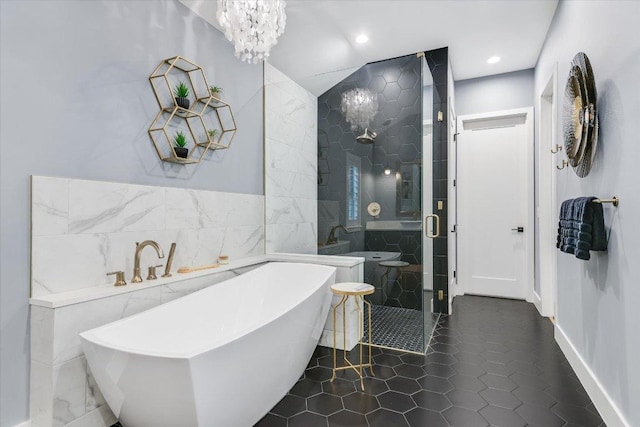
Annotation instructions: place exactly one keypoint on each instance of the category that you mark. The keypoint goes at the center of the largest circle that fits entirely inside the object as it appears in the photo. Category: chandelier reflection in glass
(252, 25)
(359, 106)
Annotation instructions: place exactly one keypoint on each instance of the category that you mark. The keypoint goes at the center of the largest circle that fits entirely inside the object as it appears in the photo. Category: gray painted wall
(76, 103)
(494, 93)
(598, 299)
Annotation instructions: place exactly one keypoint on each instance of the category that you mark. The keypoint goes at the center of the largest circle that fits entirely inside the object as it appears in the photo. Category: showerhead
(368, 137)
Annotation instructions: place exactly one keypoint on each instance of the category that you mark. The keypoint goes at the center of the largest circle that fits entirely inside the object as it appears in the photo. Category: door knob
(519, 229)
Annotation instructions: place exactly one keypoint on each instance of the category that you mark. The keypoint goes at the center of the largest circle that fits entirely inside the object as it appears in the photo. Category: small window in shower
(353, 191)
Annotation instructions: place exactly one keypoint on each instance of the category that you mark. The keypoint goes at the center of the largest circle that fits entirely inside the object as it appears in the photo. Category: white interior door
(495, 204)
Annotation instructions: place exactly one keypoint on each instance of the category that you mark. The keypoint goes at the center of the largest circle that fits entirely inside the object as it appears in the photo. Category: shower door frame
(438, 62)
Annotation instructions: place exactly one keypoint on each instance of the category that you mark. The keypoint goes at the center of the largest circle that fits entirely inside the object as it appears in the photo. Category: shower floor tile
(395, 327)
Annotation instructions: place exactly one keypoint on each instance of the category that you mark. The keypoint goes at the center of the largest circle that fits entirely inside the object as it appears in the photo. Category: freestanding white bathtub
(222, 356)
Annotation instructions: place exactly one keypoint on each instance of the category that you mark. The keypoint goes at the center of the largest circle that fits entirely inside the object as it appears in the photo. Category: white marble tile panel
(49, 206)
(288, 210)
(283, 129)
(277, 126)
(184, 208)
(282, 98)
(351, 274)
(242, 210)
(66, 262)
(292, 88)
(71, 320)
(326, 340)
(308, 163)
(309, 142)
(282, 157)
(198, 247)
(292, 238)
(102, 207)
(243, 242)
(289, 184)
(93, 396)
(100, 417)
(351, 311)
(305, 187)
(42, 334)
(280, 183)
(202, 209)
(69, 388)
(273, 75)
(41, 394)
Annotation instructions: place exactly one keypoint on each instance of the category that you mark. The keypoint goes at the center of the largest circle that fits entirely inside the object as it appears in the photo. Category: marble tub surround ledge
(82, 229)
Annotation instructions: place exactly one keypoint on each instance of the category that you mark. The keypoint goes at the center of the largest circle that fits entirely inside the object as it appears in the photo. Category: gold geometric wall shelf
(206, 113)
(217, 114)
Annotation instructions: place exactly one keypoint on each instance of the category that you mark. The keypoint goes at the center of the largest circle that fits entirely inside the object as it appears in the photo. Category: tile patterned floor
(493, 362)
(395, 327)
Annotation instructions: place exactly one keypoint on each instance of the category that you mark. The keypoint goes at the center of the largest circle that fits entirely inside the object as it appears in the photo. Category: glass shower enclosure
(374, 187)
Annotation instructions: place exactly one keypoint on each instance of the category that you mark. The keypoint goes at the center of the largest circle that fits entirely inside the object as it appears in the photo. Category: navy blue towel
(581, 227)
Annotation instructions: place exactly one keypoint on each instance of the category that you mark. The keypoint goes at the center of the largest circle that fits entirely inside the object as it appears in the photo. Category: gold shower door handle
(437, 227)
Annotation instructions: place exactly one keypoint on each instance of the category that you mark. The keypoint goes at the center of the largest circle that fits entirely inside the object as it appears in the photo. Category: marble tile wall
(291, 162)
(83, 229)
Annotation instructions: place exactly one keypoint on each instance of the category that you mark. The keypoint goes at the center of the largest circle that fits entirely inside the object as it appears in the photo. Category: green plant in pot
(180, 141)
(212, 134)
(215, 91)
(181, 93)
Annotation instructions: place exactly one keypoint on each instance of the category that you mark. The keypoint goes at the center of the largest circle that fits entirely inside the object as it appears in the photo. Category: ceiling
(318, 47)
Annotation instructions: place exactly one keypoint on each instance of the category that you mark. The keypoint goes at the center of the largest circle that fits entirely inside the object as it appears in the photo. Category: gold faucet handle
(152, 272)
(119, 278)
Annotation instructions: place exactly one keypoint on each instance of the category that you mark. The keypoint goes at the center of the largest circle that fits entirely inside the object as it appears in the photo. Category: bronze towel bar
(615, 200)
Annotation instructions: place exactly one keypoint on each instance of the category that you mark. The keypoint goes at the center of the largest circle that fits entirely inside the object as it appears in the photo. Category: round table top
(352, 288)
(394, 264)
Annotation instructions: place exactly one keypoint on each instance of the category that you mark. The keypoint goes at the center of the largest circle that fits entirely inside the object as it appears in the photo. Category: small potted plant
(181, 93)
(212, 134)
(181, 140)
(215, 91)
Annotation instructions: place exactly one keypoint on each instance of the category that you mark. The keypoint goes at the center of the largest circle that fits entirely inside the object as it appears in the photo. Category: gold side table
(357, 291)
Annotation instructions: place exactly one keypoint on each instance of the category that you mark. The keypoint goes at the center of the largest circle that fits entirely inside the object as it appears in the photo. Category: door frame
(547, 203)
(530, 188)
(452, 204)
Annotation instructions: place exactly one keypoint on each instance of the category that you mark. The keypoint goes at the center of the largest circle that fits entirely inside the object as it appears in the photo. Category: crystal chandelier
(359, 106)
(252, 25)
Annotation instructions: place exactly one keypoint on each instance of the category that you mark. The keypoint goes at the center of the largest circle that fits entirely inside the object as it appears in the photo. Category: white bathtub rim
(91, 337)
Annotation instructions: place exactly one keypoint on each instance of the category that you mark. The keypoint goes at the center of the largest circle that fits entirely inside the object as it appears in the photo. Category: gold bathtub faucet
(136, 265)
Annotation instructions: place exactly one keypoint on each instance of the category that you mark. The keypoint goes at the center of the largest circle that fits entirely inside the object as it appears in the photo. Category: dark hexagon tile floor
(493, 362)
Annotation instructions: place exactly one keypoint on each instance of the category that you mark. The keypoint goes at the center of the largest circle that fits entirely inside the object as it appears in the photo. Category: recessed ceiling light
(493, 59)
(362, 38)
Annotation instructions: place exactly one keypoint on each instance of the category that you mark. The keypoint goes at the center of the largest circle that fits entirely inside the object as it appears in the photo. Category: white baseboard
(537, 301)
(24, 424)
(604, 404)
